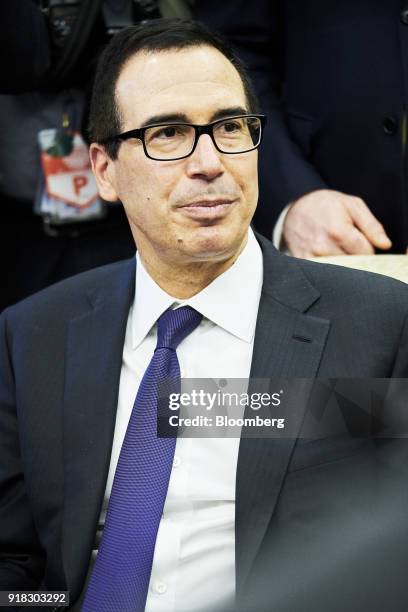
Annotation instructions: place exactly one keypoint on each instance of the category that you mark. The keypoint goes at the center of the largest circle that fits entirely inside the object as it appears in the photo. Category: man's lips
(208, 203)
(207, 210)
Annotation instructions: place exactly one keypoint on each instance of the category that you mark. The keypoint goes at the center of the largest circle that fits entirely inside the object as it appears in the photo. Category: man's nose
(205, 162)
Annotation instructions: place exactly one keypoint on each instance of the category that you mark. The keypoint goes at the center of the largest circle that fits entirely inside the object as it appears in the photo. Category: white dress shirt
(194, 558)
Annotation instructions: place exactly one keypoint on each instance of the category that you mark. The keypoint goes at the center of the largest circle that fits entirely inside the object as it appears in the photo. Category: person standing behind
(332, 78)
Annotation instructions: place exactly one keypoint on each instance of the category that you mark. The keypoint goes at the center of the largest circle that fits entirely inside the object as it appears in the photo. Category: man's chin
(213, 243)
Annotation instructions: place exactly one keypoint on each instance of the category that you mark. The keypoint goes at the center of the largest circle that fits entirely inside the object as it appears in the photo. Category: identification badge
(70, 193)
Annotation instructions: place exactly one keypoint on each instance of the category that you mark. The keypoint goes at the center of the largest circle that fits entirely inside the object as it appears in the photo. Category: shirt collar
(229, 301)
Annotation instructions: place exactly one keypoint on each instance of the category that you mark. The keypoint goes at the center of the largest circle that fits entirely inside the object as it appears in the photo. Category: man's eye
(231, 126)
(166, 133)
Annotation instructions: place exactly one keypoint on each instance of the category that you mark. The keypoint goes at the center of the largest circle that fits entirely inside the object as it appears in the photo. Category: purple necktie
(121, 574)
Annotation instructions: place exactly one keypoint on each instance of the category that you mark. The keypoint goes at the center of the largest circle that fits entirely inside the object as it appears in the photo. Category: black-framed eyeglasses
(177, 140)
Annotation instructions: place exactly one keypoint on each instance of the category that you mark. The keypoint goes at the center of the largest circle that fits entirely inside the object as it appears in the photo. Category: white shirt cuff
(278, 229)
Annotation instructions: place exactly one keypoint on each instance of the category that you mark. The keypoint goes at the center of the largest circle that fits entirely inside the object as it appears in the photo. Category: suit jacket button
(390, 124)
(404, 16)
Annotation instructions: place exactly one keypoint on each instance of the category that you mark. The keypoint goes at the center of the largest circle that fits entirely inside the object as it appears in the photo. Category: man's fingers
(355, 243)
(367, 223)
(327, 222)
(325, 248)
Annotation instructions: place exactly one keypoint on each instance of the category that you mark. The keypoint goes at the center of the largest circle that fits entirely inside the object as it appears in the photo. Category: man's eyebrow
(229, 112)
(166, 118)
(183, 118)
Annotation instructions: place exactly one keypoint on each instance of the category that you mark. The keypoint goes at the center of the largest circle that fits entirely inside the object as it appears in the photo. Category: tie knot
(175, 325)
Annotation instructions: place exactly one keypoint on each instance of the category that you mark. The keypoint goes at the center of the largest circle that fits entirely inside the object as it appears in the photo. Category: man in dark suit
(332, 79)
(309, 525)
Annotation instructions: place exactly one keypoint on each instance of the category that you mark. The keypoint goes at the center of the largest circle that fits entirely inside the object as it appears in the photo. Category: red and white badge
(67, 168)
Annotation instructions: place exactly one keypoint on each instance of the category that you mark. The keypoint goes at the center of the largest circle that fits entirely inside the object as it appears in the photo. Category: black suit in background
(29, 258)
(333, 79)
(320, 526)
(25, 54)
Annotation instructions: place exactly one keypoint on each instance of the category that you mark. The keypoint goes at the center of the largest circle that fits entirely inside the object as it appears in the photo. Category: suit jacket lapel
(288, 343)
(93, 366)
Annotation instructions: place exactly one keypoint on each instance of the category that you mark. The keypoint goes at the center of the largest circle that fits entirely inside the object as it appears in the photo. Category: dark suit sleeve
(24, 46)
(21, 560)
(256, 29)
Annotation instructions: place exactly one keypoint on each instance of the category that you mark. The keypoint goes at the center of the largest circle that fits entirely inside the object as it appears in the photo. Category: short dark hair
(153, 35)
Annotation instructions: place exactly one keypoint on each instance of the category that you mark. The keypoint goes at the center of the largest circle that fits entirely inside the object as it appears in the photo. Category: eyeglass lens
(234, 135)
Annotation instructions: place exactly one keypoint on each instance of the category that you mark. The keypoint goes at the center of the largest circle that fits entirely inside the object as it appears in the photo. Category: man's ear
(103, 169)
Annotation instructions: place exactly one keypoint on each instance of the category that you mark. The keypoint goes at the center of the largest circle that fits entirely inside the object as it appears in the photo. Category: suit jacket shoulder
(366, 313)
(68, 298)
